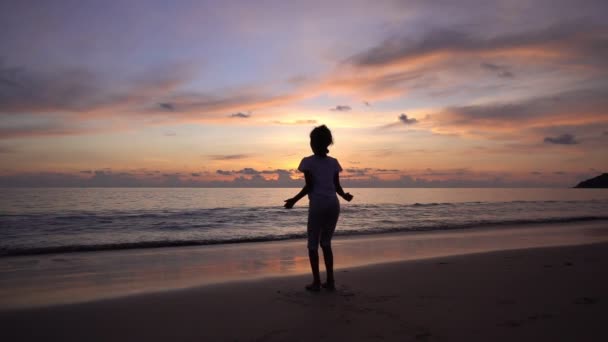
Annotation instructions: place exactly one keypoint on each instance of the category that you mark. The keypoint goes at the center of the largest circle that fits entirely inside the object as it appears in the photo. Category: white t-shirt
(322, 170)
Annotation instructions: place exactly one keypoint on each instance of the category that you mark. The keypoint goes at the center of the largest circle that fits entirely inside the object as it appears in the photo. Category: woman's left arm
(347, 196)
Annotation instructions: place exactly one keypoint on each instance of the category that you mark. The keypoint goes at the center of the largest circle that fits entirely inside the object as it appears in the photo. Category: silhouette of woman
(321, 173)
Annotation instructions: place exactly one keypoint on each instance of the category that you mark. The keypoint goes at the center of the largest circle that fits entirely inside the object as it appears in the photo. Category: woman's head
(320, 139)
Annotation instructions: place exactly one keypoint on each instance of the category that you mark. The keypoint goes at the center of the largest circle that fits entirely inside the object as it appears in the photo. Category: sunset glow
(224, 93)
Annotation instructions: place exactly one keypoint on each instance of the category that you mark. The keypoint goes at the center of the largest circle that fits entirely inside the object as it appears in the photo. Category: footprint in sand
(585, 300)
(540, 316)
(512, 323)
(26, 263)
(423, 336)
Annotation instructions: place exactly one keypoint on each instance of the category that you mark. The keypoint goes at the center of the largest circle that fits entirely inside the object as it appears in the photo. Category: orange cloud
(578, 107)
(390, 70)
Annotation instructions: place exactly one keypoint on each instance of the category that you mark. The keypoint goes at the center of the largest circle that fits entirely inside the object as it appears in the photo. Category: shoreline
(532, 294)
(43, 251)
(34, 281)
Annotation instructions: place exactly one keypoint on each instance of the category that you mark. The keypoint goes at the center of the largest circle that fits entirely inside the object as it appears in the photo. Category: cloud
(167, 106)
(171, 174)
(576, 107)
(31, 91)
(501, 70)
(8, 76)
(283, 172)
(296, 122)
(213, 106)
(245, 171)
(274, 178)
(376, 84)
(78, 90)
(446, 172)
(305, 122)
(397, 66)
(564, 139)
(298, 80)
(229, 156)
(341, 108)
(445, 60)
(7, 150)
(357, 171)
(240, 115)
(367, 104)
(249, 171)
(403, 118)
(170, 134)
(50, 125)
(105, 178)
(573, 38)
(81, 95)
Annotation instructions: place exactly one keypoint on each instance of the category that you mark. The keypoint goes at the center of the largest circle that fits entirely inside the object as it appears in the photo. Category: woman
(322, 175)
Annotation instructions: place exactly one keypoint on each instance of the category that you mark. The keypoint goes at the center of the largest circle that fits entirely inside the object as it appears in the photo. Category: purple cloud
(341, 108)
(501, 70)
(229, 156)
(403, 118)
(564, 139)
(167, 106)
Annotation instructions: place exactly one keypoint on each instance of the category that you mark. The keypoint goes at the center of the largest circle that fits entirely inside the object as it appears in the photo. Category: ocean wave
(79, 215)
(429, 204)
(82, 229)
(17, 251)
(137, 245)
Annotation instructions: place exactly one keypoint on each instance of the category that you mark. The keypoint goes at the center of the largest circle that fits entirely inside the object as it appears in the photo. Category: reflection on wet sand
(76, 277)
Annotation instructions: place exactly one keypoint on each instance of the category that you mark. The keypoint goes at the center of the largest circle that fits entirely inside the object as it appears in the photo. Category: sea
(57, 220)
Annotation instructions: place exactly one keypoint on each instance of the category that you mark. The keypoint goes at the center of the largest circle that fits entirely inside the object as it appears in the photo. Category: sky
(468, 93)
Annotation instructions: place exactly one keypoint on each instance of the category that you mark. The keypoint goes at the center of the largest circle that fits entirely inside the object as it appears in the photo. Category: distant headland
(600, 181)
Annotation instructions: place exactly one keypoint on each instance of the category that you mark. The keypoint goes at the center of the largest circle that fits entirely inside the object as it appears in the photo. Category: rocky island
(600, 181)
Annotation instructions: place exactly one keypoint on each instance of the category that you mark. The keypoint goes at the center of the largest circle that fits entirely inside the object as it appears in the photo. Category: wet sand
(51, 279)
(534, 294)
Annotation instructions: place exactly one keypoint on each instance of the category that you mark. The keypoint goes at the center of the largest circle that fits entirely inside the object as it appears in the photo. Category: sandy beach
(526, 294)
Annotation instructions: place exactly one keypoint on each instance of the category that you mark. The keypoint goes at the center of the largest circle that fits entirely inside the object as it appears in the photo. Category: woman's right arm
(305, 190)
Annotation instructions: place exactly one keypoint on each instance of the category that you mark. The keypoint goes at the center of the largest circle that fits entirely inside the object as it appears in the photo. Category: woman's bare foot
(330, 286)
(314, 287)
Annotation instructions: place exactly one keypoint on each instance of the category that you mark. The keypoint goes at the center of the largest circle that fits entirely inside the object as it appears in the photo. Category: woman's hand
(289, 203)
(347, 196)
